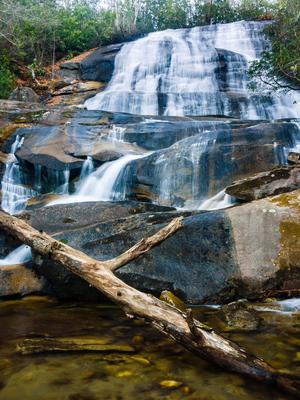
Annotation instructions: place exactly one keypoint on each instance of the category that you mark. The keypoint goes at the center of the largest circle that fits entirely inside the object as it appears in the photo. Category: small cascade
(219, 201)
(186, 155)
(59, 180)
(296, 139)
(20, 255)
(14, 193)
(87, 168)
(38, 177)
(116, 134)
(107, 183)
(66, 180)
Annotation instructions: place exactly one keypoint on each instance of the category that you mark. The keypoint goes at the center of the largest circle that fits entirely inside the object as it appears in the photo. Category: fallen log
(181, 327)
(72, 344)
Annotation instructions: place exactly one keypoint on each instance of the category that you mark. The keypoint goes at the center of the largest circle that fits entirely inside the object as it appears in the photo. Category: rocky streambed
(139, 363)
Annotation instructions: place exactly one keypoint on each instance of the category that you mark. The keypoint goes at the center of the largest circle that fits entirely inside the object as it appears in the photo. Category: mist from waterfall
(197, 71)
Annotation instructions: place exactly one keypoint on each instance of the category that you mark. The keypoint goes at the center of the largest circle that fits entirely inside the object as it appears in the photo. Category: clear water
(138, 375)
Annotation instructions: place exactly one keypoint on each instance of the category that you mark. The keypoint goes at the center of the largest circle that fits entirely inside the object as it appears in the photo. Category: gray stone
(24, 94)
(97, 66)
(216, 257)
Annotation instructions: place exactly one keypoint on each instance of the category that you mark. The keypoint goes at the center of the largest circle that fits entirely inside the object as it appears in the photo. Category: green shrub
(7, 78)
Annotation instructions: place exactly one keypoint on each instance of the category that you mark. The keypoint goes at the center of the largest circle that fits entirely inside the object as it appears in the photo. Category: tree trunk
(183, 328)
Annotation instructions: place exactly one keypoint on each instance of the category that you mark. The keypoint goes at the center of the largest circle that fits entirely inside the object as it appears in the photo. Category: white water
(14, 194)
(20, 255)
(87, 168)
(181, 72)
(288, 306)
(107, 183)
(219, 201)
(116, 134)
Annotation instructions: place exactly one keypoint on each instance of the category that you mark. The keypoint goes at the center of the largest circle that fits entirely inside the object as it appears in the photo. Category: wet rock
(98, 65)
(239, 315)
(79, 87)
(278, 180)
(170, 298)
(200, 166)
(25, 94)
(216, 257)
(170, 384)
(293, 157)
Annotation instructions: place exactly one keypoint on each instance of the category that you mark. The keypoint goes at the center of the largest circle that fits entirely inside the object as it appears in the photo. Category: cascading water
(14, 194)
(198, 71)
(107, 183)
(116, 134)
(87, 168)
(219, 201)
(20, 255)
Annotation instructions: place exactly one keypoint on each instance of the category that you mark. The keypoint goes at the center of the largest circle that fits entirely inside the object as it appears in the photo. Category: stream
(156, 369)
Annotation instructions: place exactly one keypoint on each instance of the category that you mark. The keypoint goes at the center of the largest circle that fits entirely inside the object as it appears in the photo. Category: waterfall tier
(198, 71)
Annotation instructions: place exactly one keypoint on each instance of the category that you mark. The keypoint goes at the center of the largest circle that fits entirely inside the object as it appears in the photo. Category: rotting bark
(183, 328)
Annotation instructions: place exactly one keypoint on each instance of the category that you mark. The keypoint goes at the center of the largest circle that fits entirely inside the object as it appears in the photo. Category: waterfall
(87, 168)
(116, 134)
(107, 183)
(219, 201)
(14, 193)
(198, 71)
(20, 255)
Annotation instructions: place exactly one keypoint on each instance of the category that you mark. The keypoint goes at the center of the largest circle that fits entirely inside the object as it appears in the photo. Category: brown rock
(19, 280)
(294, 158)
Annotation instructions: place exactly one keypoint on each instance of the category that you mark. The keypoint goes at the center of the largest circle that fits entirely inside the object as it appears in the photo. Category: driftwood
(181, 327)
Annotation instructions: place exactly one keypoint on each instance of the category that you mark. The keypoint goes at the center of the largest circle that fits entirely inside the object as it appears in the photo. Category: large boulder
(97, 65)
(217, 256)
(25, 94)
(279, 180)
(200, 166)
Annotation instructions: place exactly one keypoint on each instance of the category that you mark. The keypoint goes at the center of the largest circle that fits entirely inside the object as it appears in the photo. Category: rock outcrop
(279, 180)
(25, 94)
(217, 256)
(98, 65)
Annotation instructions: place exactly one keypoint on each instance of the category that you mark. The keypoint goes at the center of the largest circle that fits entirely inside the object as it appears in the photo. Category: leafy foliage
(7, 78)
(38, 32)
(280, 66)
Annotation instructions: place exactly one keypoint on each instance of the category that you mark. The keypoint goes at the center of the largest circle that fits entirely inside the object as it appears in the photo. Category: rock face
(189, 160)
(217, 256)
(200, 166)
(278, 180)
(97, 66)
(25, 94)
